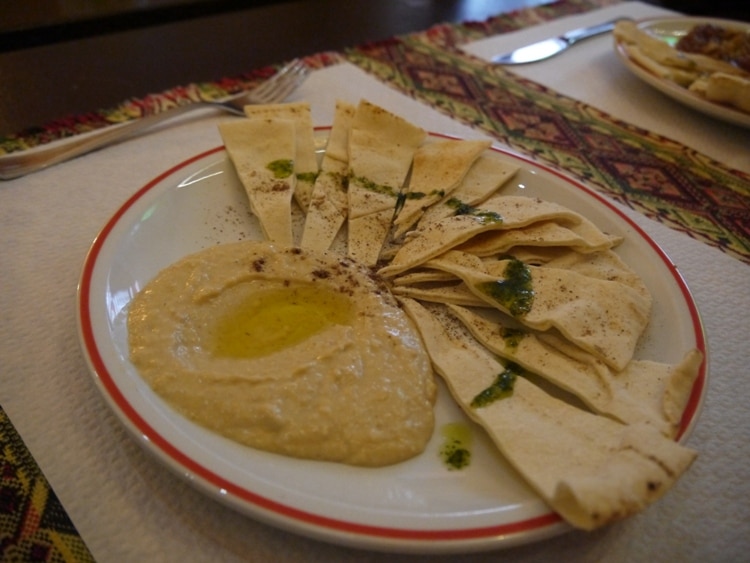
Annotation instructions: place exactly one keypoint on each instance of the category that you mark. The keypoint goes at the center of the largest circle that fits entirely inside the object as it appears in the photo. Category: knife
(551, 47)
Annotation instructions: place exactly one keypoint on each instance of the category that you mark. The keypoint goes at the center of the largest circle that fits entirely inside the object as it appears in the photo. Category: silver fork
(273, 90)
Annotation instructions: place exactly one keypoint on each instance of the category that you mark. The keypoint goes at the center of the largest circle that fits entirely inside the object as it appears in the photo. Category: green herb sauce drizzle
(515, 292)
(281, 168)
(309, 177)
(501, 388)
(512, 336)
(403, 196)
(462, 208)
(455, 451)
(375, 187)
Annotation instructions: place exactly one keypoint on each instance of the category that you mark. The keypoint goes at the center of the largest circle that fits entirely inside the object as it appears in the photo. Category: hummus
(300, 353)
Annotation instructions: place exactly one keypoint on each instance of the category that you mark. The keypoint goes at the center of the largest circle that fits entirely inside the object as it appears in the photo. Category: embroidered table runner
(33, 524)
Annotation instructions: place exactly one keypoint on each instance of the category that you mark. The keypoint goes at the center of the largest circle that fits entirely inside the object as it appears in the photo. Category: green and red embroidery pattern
(33, 523)
(655, 175)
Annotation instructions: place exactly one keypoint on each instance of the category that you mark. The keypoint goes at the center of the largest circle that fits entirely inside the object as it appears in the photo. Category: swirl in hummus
(296, 352)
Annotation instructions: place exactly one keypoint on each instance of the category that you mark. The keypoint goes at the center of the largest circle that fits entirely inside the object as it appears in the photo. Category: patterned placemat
(33, 524)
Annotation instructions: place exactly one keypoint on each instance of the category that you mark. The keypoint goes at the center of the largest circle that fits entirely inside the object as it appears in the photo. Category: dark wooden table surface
(64, 62)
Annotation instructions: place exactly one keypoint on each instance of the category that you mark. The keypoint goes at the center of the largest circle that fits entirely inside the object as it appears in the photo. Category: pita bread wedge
(590, 469)
(437, 170)
(605, 265)
(498, 213)
(381, 148)
(305, 160)
(423, 275)
(634, 396)
(584, 237)
(665, 387)
(534, 255)
(377, 173)
(367, 234)
(486, 176)
(604, 318)
(660, 387)
(263, 151)
(455, 293)
(329, 201)
(684, 76)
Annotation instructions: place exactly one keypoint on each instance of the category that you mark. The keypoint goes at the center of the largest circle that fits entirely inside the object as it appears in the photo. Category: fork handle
(15, 165)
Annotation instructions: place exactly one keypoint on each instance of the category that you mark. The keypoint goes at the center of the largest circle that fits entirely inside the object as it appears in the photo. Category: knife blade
(550, 47)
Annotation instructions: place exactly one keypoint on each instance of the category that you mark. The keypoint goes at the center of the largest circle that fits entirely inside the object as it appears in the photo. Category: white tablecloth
(128, 507)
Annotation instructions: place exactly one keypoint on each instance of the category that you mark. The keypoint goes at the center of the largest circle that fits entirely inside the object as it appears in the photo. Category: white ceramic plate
(670, 30)
(415, 506)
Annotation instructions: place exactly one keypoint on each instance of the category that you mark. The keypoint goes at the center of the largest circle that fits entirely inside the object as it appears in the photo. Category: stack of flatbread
(526, 310)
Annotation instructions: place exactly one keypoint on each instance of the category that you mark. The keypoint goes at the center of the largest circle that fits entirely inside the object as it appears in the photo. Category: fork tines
(281, 84)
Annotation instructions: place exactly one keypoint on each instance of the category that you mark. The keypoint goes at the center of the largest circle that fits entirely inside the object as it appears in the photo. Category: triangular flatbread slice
(486, 176)
(423, 275)
(329, 202)
(634, 396)
(584, 237)
(437, 170)
(590, 469)
(305, 159)
(499, 213)
(381, 148)
(455, 294)
(605, 265)
(604, 318)
(263, 151)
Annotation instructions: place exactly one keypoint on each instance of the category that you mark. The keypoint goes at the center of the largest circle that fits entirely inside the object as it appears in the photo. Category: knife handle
(586, 32)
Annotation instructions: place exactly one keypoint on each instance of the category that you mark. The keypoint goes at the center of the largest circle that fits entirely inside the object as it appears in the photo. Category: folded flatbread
(495, 214)
(590, 469)
(644, 393)
(603, 317)
(584, 237)
(729, 89)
